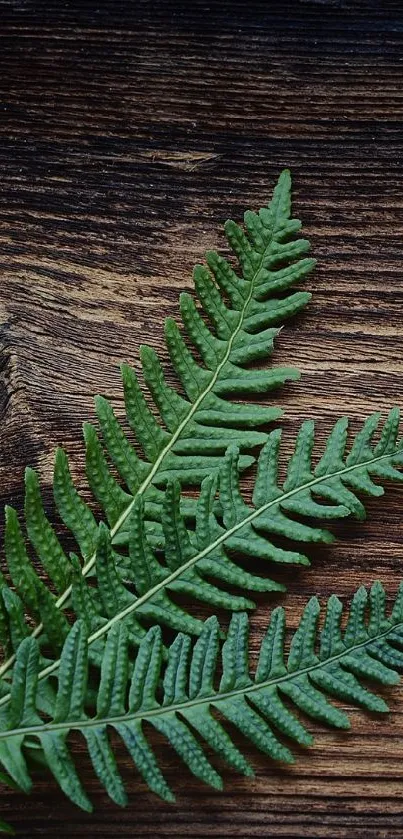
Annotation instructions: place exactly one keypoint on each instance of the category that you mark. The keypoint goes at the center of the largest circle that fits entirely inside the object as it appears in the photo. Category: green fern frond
(334, 663)
(233, 328)
(136, 588)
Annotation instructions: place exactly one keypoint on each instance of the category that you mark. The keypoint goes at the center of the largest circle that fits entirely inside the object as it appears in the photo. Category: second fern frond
(128, 696)
(135, 588)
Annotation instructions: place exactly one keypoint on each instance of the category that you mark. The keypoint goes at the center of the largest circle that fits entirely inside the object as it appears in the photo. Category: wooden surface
(130, 131)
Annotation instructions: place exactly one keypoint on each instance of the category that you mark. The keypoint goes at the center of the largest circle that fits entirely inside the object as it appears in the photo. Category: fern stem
(204, 700)
(47, 671)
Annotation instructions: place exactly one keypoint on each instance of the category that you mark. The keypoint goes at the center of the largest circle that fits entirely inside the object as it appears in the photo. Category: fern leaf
(180, 437)
(178, 699)
(136, 588)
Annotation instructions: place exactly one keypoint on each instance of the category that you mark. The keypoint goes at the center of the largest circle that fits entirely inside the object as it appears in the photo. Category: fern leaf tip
(212, 622)
(125, 370)
(154, 633)
(334, 600)
(377, 587)
(327, 537)
(103, 534)
(216, 781)
(284, 181)
(292, 374)
(147, 353)
(394, 414)
(31, 476)
(10, 514)
(314, 604)
(381, 707)
(167, 795)
(89, 432)
(170, 325)
(60, 456)
(101, 403)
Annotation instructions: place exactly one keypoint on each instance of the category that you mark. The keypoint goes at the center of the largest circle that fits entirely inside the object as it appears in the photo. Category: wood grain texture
(129, 132)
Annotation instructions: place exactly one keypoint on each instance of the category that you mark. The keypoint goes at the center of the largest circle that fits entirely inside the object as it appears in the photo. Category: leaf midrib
(47, 671)
(211, 699)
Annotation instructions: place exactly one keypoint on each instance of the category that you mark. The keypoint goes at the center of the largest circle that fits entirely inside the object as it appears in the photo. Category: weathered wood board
(129, 133)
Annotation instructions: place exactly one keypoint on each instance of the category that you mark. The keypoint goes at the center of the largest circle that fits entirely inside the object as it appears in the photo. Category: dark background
(129, 132)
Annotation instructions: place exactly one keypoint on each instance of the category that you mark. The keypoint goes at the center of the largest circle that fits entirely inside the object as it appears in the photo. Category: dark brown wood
(129, 132)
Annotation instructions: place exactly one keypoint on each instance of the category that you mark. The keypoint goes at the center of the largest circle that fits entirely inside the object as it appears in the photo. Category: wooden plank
(129, 133)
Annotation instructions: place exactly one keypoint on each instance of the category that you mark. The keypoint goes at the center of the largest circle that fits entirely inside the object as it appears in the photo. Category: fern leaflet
(130, 695)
